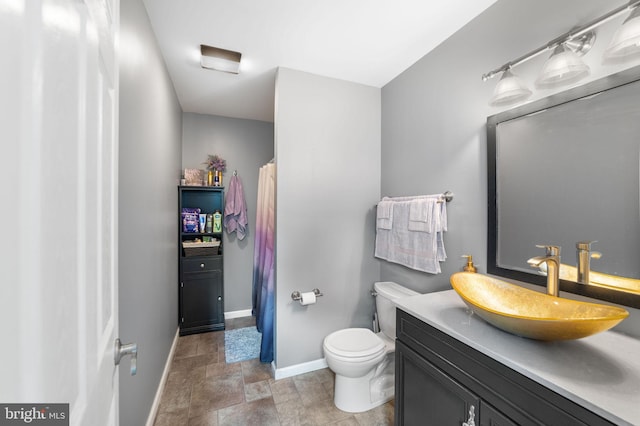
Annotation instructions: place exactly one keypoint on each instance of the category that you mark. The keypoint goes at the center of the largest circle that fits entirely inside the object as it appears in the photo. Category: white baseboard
(294, 370)
(163, 380)
(237, 314)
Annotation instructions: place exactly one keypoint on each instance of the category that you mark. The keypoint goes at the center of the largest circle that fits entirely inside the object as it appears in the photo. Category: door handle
(120, 351)
(471, 420)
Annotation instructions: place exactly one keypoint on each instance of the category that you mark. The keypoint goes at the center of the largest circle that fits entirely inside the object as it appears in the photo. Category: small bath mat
(241, 344)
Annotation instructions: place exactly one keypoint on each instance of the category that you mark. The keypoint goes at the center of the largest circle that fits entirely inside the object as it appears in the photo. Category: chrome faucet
(583, 258)
(552, 259)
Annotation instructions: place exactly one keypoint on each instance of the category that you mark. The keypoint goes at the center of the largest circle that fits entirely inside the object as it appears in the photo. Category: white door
(58, 215)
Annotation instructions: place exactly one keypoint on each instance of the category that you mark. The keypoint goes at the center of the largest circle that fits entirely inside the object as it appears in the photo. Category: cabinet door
(217, 316)
(492, 417)
(427, 396)
(202, 299)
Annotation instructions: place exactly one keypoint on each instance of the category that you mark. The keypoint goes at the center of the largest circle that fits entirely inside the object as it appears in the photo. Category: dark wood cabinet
(441, 381)
(201, 278)
(448, 403)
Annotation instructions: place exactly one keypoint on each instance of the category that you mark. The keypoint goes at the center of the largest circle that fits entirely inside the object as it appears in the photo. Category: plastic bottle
(209, 227)
(217, 221)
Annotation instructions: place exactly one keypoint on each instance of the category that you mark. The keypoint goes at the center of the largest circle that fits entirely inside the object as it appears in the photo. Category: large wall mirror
(566, 169)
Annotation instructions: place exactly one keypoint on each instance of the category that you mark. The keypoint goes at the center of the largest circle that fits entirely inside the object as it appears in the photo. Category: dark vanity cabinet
(441, 381)
(201, 285)
(431, 397)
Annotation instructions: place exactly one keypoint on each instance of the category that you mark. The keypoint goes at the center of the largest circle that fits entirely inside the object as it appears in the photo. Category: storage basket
(196, 248)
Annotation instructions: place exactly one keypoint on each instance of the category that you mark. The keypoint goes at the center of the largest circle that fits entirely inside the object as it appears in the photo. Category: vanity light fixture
(510, 89)
(220, 59)
(564, 66)
(626, 41)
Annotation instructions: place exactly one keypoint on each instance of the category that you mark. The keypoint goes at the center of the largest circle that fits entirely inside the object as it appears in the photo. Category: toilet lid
(354, 342)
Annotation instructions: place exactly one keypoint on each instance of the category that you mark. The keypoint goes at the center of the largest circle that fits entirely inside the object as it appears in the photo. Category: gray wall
(150, 133)
(328, 180)
(246, 145)
(434, 115)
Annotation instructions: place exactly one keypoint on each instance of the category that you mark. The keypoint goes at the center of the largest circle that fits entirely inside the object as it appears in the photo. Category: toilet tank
(388, 291)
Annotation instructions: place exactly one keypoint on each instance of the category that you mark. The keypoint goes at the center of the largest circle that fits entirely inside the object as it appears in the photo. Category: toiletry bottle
(203, 222)
(469, 267)
(209, 222)
(217, 221)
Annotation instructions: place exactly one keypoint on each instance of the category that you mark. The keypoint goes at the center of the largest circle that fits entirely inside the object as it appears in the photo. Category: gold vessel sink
(532, 314)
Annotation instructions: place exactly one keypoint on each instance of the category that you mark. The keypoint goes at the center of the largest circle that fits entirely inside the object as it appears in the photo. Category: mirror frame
(622, 78)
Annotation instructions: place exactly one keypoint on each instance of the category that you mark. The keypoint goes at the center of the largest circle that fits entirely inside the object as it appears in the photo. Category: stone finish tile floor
(203, 390)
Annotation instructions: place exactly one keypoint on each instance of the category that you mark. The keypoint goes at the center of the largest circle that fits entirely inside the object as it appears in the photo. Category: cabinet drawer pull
(471, 420)
(219, 298)
(202, 265)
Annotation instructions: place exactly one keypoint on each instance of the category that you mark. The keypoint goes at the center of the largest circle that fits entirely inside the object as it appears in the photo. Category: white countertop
(599, 372)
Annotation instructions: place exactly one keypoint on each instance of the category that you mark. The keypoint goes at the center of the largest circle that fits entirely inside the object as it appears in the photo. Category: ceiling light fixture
(220, 59)
(570, 45)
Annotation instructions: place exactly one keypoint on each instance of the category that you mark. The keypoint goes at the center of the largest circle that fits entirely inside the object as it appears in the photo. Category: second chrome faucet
(583, 260)
(552, 261)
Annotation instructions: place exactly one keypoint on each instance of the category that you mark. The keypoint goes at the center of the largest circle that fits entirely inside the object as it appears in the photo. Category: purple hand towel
(235, 209)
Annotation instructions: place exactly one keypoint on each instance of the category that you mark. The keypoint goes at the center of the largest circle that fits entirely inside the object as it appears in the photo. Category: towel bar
(445, 196)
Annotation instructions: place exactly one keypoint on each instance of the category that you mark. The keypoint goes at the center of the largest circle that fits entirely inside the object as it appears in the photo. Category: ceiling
(363, 41)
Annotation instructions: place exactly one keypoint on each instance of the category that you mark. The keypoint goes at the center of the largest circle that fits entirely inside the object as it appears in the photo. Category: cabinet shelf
(202, 234)
(200, 284)
(200, 188)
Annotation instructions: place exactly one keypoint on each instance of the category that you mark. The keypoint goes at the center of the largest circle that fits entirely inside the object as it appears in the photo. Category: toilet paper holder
(296, 295)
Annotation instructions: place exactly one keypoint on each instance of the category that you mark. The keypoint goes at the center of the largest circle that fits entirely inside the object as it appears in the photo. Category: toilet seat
(354, 344)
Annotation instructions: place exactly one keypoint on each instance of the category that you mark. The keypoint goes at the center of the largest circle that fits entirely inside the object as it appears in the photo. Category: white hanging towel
(421, 212)
(415, 238)
(384, 214)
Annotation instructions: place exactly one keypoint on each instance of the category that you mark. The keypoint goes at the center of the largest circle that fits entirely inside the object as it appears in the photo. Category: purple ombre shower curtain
(263, 260)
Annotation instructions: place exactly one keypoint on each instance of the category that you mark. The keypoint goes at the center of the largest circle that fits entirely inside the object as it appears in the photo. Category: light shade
(563, 67)
(220, 59)
(626, 41)
(509, 90)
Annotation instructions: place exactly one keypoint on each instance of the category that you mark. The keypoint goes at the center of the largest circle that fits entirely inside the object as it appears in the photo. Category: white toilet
(363, 360)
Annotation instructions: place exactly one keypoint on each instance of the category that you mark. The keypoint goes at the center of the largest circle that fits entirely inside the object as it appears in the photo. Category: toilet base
(355, 395)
